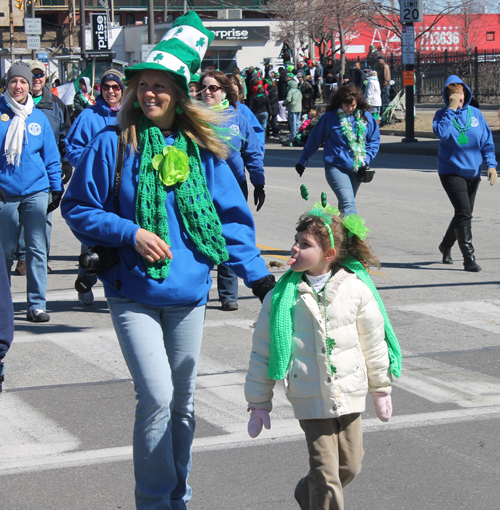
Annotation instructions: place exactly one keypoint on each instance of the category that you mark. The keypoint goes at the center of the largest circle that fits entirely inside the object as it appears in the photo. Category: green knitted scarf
(282, 311)
(193, 199)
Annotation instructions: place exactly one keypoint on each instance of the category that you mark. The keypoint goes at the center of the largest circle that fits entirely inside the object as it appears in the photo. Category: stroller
(396, 110)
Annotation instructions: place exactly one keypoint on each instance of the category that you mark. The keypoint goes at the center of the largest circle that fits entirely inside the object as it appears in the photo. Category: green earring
(137, 105)
(179, 110)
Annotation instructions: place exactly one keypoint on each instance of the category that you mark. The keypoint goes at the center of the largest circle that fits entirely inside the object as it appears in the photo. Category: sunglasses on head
(38, 75)
(115, 88)
(213, 88)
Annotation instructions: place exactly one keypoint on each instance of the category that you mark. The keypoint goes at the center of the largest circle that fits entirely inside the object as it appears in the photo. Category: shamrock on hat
(180, 52)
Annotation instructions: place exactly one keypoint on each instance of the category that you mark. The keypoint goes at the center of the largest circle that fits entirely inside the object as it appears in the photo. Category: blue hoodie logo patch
(474, 122)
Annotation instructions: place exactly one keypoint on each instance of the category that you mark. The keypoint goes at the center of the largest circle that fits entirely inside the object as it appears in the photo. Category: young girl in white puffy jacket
(326, 334)
(373, 94)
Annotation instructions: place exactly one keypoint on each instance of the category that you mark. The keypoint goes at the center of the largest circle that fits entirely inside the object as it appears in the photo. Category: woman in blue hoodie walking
(465, 142)
(86, 126)
(30, 177)
(178, 211)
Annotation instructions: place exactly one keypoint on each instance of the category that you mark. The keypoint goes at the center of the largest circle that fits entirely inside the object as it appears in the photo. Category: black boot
(464, 236)
(446, 244)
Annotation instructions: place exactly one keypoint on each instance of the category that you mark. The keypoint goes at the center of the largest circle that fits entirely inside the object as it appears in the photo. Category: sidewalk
(391, 143)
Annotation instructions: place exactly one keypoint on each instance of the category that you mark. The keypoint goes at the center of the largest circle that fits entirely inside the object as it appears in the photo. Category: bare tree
(386, 14)
(292, 17)
(471, 31)
(324, 21)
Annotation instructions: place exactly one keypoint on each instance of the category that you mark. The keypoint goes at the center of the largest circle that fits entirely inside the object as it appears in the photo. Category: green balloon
(324, 201)
(304, 192)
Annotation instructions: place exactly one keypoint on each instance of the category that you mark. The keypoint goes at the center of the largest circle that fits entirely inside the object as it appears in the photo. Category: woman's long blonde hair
(196, 120)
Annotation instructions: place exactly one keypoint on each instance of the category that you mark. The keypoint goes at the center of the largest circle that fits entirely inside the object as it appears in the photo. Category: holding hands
(258, 418)
(383, 406)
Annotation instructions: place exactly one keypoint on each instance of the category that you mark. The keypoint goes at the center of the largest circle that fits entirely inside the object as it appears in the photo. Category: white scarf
(15, 133)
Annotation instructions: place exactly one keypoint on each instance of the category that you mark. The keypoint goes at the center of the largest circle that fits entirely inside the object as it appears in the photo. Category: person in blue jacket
(179, 212)
(352, 140)
(6, 311)
(237, 85)
(30, 177)
(465, 143)
(244, 153)
(92, 120)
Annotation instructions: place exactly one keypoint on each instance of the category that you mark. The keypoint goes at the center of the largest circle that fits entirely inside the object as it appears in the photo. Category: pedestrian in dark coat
(272, 95)
(282, 87)
(307, 95)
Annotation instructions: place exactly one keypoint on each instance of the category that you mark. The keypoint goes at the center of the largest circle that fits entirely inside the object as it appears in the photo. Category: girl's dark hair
(234, 80)
(344, 245)
(348, 94)
(224, 83)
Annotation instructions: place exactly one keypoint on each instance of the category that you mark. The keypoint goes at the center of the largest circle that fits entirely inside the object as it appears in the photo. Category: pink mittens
(383, 406)
(258, 417)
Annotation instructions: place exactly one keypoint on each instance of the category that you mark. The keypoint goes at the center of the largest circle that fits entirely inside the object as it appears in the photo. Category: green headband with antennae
(354, 224)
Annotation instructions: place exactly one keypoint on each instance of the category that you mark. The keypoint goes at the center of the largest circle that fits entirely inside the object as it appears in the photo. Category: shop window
(490, 36)
(130, 19)
(224, 60)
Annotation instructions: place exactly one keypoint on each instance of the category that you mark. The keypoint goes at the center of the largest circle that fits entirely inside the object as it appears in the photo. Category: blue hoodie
(337, 152)
(88, 209)
(40, 166)
(244, 148)
(257, 127)
(86, 126)
(463, 160)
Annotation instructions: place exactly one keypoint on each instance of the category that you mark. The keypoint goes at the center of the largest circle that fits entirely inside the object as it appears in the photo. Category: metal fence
(479, 69)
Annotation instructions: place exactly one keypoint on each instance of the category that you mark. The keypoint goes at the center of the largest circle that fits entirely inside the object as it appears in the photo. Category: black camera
(98, 259)
(364, 174)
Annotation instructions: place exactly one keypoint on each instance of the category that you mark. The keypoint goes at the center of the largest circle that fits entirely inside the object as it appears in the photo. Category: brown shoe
(20, 268)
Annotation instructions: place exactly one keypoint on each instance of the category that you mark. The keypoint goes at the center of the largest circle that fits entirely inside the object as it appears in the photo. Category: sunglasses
(213, 88)
(115, 88)
(38, 75)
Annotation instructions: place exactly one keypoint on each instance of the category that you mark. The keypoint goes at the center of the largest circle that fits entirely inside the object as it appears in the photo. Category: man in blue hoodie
(465, 143)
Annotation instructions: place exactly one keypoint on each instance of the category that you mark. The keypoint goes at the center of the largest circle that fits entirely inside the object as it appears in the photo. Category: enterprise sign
(254, 33)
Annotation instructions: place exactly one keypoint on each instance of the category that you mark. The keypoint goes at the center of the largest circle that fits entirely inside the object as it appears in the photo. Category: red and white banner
(455, 32)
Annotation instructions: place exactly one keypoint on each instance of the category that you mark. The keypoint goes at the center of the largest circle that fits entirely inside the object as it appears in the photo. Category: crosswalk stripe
(280, 432)
(478, 314)
(31, 441)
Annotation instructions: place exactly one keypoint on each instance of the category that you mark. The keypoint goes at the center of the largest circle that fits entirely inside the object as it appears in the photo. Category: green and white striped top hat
(180, 51)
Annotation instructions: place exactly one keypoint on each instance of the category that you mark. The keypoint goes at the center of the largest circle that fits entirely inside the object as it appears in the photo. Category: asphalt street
(67, 410)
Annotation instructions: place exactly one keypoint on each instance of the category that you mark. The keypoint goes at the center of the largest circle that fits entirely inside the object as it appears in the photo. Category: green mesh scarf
(282, 310)
(193, 199)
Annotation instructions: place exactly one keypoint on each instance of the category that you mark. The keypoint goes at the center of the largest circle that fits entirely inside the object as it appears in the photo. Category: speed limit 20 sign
(410, 11)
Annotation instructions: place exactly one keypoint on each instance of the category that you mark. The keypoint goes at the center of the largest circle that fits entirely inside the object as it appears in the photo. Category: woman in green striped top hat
(177, 212)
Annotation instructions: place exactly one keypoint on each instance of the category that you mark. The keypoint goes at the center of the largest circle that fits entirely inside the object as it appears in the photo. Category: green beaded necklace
(462, 138)
(330, 342)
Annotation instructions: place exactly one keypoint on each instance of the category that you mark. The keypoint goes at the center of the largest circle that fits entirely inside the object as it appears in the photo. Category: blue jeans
(227, 284)
(20, 253)
(262, 118)
(294, 123)
(161, 346)
(31, 212)
(344, 184)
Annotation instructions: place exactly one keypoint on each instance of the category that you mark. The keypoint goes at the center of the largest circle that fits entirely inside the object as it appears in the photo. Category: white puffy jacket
(373, 94)
(359, 355)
